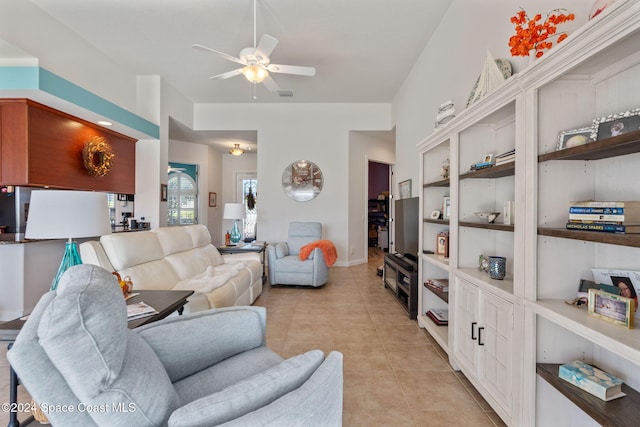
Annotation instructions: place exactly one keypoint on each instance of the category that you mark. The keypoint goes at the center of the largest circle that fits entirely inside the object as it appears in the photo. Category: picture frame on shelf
(442, 244)
(612, 308)
(488, 158)
(213, 199)
(574, 137)
(435, 214)
(616, 124)
(446, 207)
(405, 189)
(624, 282)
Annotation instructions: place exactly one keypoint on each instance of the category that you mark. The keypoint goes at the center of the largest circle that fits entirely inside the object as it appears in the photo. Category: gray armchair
(80, 362)
(286, 267)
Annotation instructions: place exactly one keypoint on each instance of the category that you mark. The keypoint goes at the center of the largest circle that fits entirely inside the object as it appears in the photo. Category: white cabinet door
(466, 324)
(495, 339)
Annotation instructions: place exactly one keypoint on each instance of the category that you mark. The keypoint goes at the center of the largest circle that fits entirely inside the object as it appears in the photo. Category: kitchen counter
(10, 239)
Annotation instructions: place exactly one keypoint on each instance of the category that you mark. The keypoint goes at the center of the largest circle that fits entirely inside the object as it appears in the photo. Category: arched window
(182, 197)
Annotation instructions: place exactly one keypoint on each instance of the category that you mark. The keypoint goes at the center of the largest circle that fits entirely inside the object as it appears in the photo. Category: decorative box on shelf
(591, 379)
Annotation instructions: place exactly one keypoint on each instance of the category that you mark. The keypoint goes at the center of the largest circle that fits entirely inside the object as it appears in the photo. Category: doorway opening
(378, 206)
(247, 185)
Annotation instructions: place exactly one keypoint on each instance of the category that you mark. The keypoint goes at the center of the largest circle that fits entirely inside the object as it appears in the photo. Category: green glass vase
(235, 233)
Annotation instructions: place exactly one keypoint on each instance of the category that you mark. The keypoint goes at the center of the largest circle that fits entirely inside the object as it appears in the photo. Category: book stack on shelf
(592, 380)
(507, 157)
(610, 217)
(441, 285)
(440, 316)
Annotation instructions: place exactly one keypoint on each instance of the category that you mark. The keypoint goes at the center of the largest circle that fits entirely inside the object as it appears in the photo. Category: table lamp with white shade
(235, 211)
(61, 214)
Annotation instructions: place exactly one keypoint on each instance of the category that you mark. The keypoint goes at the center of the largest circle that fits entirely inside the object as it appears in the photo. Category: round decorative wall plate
(302, 180)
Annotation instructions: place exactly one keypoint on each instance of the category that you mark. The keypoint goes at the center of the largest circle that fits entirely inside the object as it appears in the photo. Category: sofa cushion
(158, 275)
(82, 329)
(200, 235)
(187, 264)
(293, 264)
(282, 250)
(186, 354)
(92, 252)
(128, 249)
(250, 394)
(173, 240)
(209, 254)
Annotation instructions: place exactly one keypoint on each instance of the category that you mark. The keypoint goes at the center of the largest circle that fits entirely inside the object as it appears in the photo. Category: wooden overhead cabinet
(43, 147)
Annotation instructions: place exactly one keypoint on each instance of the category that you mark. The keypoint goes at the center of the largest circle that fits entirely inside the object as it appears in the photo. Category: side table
(165, 303)
(258, 247)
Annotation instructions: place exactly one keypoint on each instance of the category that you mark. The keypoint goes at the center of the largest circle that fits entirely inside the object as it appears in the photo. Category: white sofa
(179, 258)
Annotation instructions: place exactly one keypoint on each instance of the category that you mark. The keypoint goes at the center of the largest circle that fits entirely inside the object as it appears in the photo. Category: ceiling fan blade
(227, 75)
(292, 69)
(270, 84)
(222, 54)
(266, 45)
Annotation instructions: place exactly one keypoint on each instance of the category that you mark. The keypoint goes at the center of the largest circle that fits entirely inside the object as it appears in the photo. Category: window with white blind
(182, 194)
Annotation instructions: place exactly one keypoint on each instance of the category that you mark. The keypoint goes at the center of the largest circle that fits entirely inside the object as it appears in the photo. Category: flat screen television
(406, 227)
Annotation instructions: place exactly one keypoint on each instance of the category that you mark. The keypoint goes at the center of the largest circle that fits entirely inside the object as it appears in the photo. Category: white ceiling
(362, 49)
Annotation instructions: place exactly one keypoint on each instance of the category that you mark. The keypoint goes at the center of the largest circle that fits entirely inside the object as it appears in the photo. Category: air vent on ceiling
(285, 93)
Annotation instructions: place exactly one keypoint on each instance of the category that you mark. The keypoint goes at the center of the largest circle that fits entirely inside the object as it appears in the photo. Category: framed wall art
(163, 192)
(405, 189)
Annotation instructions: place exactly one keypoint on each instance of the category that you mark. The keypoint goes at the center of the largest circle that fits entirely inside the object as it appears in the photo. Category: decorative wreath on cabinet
(97, 156)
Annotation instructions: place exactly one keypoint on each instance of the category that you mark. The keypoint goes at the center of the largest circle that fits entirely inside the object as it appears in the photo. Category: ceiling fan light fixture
(236, 150)
(255, 73)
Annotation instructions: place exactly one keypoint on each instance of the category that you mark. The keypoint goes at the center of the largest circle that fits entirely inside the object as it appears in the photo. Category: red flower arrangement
(535, 34)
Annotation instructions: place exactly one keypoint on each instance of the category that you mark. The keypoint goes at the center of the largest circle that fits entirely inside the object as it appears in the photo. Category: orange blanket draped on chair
(326, 246)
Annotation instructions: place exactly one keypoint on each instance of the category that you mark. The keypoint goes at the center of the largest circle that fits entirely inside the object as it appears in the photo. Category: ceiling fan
(257, 64)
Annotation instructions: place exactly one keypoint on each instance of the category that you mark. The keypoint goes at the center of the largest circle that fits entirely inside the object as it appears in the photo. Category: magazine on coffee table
(139, 309)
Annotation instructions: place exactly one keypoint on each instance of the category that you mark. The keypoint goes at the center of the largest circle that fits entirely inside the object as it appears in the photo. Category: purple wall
(378, 179)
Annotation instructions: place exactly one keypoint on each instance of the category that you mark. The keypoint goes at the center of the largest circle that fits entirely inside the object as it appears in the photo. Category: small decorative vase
(497, 267)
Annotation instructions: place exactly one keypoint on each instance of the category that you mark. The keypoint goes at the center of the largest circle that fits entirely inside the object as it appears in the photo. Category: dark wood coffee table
(164, 302)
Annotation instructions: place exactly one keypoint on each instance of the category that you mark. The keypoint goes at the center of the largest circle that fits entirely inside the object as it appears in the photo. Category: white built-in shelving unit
(505, 335)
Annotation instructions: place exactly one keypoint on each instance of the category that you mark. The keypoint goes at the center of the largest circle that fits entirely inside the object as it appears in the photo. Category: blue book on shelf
(482, 164)
(592, 380)
(609, 228)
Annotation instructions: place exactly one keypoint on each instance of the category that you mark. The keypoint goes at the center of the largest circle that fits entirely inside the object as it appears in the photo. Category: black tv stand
(400, 276)
(402, 261)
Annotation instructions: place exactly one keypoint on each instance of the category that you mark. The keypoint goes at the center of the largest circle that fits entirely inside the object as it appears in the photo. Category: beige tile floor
(394, 373)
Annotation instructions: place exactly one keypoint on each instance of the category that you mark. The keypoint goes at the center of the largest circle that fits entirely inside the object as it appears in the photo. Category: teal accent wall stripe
(36, 78)
(55, 85)
(14, 78)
